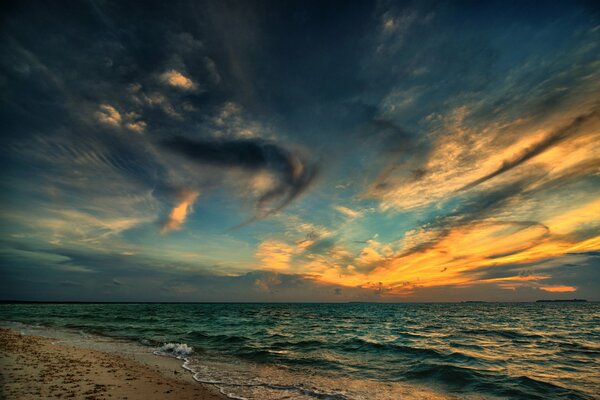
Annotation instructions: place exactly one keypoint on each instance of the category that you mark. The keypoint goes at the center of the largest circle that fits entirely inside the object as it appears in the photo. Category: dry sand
(34, 367)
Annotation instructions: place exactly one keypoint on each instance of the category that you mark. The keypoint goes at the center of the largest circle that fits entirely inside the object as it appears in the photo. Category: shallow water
(359, 351)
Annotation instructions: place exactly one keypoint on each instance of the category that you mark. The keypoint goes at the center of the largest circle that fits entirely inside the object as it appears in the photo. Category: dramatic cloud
(294, 175)
(455, 146)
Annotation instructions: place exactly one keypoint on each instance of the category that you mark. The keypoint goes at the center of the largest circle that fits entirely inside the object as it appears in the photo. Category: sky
(299, 151)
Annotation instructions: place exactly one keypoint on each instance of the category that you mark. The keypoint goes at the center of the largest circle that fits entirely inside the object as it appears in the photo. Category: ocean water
(358, 351)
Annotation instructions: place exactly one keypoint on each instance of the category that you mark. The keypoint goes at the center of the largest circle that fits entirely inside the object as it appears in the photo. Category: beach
(33, 367)
(39, 362)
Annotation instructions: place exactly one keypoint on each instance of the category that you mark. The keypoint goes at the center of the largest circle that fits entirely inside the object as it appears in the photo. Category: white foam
(179, 350)
(236, 383)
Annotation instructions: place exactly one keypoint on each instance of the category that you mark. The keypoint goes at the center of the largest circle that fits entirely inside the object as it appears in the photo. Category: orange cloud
(464, 155)
(558, 289)
(177, 79)
(461, 255)
(109, 115)
(535, 224)
(180, 212)
(275, 255)
(457, 258)
(373, 254)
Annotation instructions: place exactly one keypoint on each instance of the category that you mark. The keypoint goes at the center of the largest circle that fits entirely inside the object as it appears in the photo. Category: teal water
(495, 350)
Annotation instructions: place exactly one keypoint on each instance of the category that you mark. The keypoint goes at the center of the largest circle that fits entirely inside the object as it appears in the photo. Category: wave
(527, 387)
(409, 334)
(179, 350)
(464, 379)
(358, 344)
(574, 347)
(221, 385)
(301, 344)
(197, 335)
(448, 374)
(468, 346)
(504, 333)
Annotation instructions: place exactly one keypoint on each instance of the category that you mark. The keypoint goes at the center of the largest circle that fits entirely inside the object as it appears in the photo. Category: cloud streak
(551, 140)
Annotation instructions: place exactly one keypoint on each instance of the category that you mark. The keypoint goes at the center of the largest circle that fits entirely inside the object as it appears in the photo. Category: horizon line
(289, 302)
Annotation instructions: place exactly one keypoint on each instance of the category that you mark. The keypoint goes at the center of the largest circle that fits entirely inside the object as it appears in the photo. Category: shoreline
(33, 367)
(38, 361)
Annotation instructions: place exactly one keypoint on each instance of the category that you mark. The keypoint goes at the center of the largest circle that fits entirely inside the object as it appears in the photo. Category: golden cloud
(177, 79)
(275, 255)
(108, 115)
(180, 212)
(558, 289)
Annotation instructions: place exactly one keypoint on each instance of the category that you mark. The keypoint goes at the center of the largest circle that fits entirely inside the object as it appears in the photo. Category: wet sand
(34, 367)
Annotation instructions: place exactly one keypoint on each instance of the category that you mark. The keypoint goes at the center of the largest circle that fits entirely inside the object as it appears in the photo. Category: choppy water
(360, 351)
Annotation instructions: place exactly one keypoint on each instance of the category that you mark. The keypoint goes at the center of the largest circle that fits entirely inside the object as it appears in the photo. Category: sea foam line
(181, 351)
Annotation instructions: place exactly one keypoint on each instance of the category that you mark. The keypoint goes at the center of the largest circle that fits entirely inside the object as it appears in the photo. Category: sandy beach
(34, 367)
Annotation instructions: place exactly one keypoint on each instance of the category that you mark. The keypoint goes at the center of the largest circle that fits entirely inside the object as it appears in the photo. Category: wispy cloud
(181, 211)
(550, 140)
(348, 211)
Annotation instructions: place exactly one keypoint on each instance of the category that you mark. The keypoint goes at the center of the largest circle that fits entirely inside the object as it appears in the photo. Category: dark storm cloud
(294, 174)
(551, 140)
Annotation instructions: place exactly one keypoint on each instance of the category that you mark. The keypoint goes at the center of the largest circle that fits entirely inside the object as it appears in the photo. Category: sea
(353, 350)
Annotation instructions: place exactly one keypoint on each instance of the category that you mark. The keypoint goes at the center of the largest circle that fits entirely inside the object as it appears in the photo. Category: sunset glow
(406, 152)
